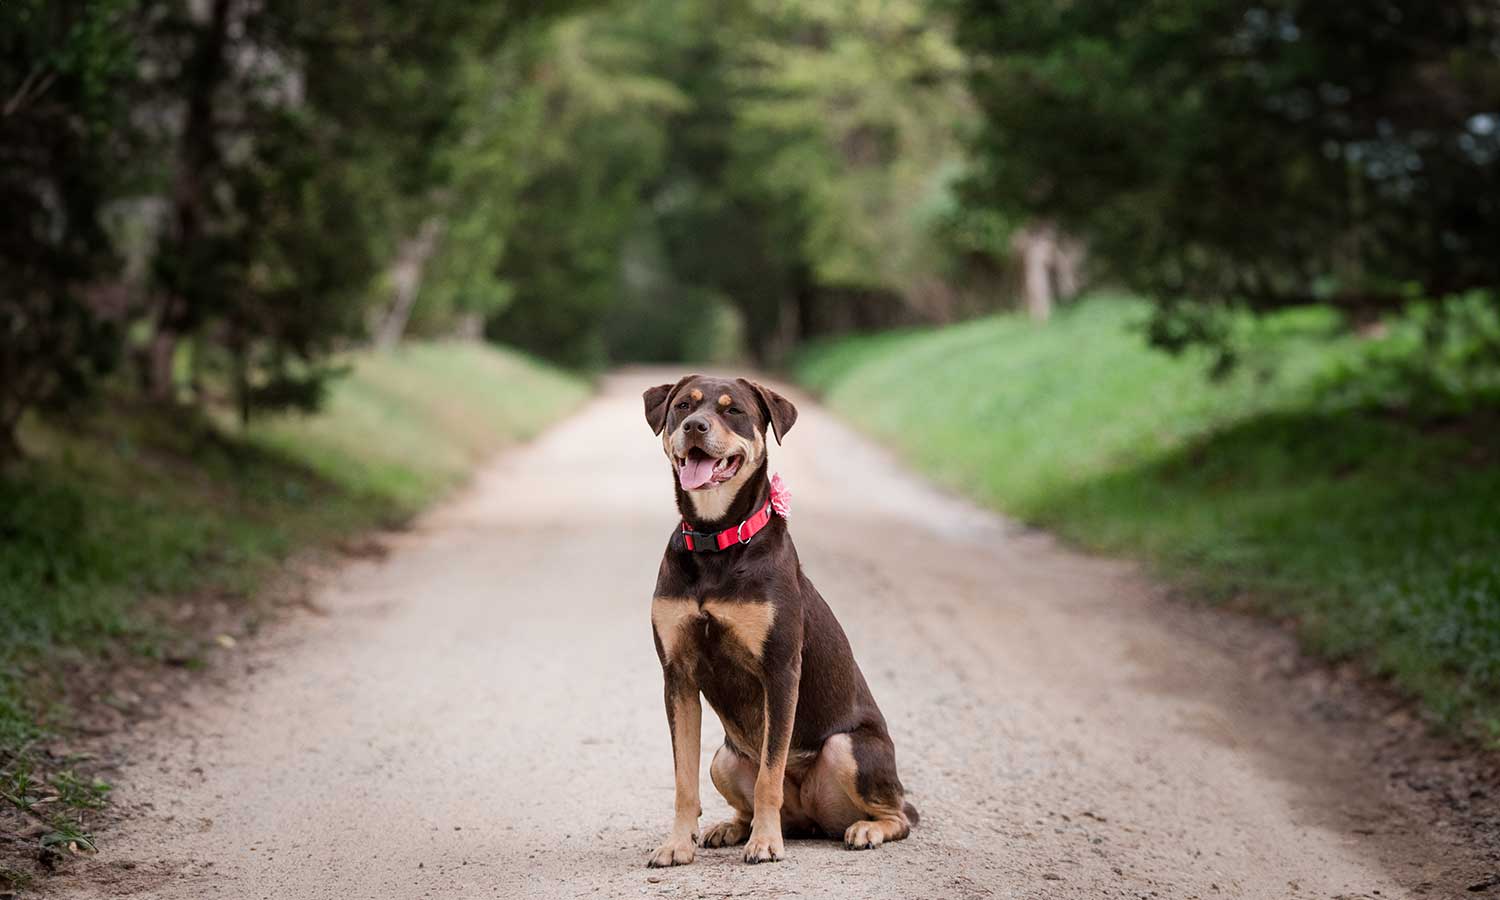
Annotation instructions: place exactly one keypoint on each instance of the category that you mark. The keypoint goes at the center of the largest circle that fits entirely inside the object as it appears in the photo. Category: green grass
(14, 879)
(1283, 487)
(122, 507)
(60, 803)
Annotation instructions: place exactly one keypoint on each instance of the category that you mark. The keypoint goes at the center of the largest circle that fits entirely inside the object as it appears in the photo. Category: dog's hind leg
(852, 790)
(734, 776)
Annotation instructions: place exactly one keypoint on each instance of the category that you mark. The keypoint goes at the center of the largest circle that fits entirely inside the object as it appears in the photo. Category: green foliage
(587, 176)
(598, 182)
(259, 162)
(67, 833)
(1438, 360)
(1249, 152)
(60, 66)
(846, 116)
(131, 506)
(501, 115)
(61, 799)
(628, 172)
(548, 172)
(283, 212)
(1374, 526)
(80, 792)
(798, 182)
(388, 412)
(14, 879)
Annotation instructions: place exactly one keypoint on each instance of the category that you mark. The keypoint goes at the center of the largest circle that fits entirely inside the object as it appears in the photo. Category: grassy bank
(117, 510)
(1282, 487)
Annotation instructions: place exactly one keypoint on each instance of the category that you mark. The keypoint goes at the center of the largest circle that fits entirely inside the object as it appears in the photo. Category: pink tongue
(695, 472)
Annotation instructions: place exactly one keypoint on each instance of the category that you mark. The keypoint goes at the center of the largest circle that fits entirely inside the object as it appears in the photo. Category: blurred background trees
(1256, 154)
(61, 69)
(219, 194)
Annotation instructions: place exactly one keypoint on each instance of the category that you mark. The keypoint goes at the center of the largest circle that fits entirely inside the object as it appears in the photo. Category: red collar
(714, 541)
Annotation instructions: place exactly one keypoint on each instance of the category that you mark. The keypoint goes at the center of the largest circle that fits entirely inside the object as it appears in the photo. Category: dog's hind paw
(864, 835)
(726, 834)
(762, 847)
(675, 852)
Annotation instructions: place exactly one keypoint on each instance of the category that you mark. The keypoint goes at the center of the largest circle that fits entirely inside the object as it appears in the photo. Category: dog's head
(713, 431)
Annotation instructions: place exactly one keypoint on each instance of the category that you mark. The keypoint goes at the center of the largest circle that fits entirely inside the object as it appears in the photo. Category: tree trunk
(23, 388)
(242, 385)
(159, 361)
(788, 325)
(197, 156)
(1037, 247)
(10, 445)
(406, 283)
(470, 327)
(1070, 257)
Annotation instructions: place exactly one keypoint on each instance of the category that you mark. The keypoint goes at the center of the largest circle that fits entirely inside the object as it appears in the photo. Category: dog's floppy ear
(778, 410)
(658, 401)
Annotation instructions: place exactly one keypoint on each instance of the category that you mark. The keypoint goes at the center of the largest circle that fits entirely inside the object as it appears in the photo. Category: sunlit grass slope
(126, 506)
(418, 419)
(1379, 533)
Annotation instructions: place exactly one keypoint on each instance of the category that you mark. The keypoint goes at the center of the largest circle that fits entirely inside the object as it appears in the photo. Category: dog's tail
(911, 814)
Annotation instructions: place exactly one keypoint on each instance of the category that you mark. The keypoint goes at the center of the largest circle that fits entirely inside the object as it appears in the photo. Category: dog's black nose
(695, 423)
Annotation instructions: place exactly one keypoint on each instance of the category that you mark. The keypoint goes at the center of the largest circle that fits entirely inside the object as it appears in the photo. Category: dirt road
(479, 714)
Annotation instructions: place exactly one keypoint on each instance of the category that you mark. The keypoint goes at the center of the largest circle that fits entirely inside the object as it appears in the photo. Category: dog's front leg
(765, 844)
(685, 718)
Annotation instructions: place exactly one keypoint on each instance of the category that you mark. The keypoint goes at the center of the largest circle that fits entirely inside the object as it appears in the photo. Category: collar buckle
(708, 541)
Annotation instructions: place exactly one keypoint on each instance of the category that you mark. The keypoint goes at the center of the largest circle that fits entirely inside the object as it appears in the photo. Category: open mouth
(700, 470)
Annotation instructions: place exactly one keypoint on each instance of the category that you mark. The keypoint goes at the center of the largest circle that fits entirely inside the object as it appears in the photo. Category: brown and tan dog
(806, 749)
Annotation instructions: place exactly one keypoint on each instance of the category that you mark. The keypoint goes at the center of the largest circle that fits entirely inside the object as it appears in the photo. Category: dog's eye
(684, 405)
(735, 411)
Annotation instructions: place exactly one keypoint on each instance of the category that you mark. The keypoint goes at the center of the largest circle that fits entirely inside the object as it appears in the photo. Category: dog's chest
(713, 630)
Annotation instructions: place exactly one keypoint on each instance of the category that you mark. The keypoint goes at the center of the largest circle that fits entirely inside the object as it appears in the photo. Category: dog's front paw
(764, 846)
(677, 851)
(726, 834)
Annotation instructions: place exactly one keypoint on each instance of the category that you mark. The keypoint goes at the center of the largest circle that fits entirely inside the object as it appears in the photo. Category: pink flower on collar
(781, 498)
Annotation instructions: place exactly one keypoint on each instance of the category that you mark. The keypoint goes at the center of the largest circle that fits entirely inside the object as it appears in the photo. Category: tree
(62, 67)
(594, 147)
(800, 180)
(262, 160)
(310, 146)
(1249, 152)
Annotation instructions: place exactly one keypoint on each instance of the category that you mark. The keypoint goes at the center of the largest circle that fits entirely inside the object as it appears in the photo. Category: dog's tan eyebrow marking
(695, 394)
(725, 400)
